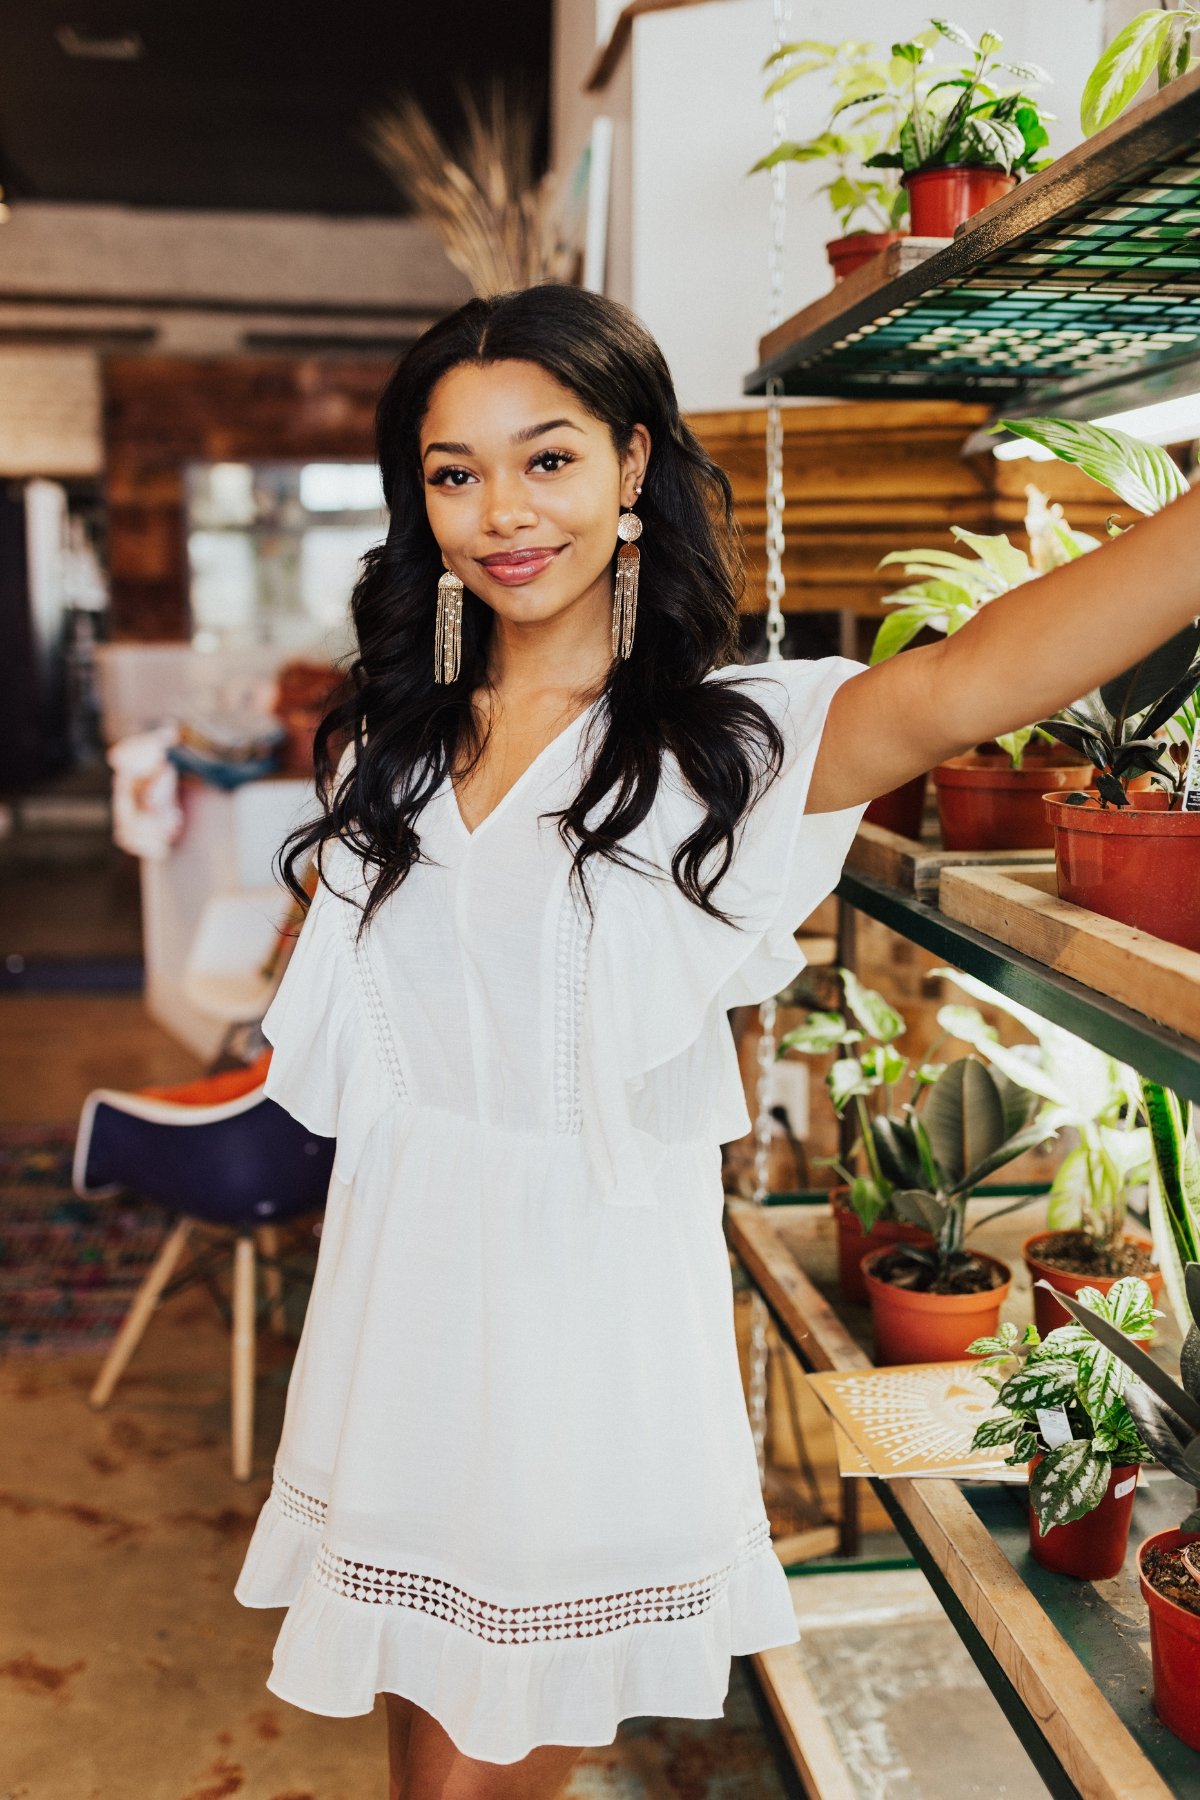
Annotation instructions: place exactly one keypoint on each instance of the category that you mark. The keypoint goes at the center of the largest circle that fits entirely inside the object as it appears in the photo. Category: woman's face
(523, 488)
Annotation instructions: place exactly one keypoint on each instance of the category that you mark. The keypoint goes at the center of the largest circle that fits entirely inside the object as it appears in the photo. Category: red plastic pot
(940, 200)
(1092, 1548)
(1048, 1315)
(986, 804)
(853, 1243)
(858, 247)
(900, 809)
(1139, 863)
(1174, 1648)
(913, 1328)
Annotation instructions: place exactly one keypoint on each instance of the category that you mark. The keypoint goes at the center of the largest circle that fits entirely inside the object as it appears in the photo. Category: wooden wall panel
(161, 413)
(864, 478)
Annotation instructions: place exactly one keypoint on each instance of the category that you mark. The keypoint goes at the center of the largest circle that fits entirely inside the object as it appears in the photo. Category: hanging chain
(775, 584)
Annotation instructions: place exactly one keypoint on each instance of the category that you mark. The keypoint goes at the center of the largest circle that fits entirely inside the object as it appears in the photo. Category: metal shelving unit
(1086, 275)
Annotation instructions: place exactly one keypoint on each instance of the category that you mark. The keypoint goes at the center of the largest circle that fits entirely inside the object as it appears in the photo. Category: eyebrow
(525, 436)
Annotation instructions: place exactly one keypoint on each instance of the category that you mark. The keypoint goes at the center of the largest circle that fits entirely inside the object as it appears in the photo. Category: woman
(516, 1490)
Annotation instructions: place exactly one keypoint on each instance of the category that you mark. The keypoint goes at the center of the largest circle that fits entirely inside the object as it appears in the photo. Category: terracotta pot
(853, 1243)
(940, 200)
(1139, 863)
(1048, 1315)
(913, 1328)
(858, 247)
(986, 804)
(900, 809)
(1092, 1548)
(1174, 1647)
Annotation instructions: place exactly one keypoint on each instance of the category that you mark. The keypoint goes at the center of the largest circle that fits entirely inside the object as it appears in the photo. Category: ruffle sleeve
(325, 1068)
(662, 972)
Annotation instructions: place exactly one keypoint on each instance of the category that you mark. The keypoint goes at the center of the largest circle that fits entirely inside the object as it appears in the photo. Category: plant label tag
(1124, 1487)
(1191, 784)
(1054, 1425)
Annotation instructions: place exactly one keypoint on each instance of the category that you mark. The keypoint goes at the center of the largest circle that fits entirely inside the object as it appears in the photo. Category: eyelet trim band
(592, 1616)
(301, 1508)
(372, 1000)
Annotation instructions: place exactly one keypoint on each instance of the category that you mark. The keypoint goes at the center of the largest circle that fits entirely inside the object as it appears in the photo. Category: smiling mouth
(515, 567)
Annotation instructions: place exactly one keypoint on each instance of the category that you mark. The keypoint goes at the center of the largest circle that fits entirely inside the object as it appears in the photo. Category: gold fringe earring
(447, 635)
(624, 614)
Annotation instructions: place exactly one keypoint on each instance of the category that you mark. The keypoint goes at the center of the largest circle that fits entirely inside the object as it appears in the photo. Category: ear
(633, 465)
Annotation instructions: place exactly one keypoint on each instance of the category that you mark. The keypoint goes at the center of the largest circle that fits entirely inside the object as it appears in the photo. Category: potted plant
(1061, 1409)
(1167, 1412)
(927, 1304)
(1086, 1242)
(964, 142)
(1154, 42)
(865, 1078)
(991, 797)
(1133, 856)
(870, 208)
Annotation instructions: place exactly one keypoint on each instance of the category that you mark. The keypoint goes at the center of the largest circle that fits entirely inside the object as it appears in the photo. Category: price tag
(1124, 1487)
(1191, 782)
(1054, 1425)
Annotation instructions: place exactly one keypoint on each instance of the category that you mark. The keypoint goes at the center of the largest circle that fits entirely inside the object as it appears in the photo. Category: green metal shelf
(1153, 1050)
(1088, 273)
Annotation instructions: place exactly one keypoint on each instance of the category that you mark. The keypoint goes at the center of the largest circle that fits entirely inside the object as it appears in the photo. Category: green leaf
(1040, 1384)
(883, 1065)
(871, 1010)
(1008, 563)
(1142, 475)
(920, 1208)
(1000, 1430)
(820, 1033)
(955, 34)
(898, 630)
(1174, 1192)
(964, 1118)
(868, 1200)
(844, 1080)
(802, 46)
(1068, 1483)
(1124, 68)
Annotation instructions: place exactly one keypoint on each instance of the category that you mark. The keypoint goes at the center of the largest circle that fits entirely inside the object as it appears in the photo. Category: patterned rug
(68, 1267)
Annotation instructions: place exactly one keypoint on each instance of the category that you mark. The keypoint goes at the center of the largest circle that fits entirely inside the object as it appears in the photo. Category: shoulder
(797, 691)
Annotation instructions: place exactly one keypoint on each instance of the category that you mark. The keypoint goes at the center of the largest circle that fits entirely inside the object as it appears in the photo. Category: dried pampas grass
(498, 222)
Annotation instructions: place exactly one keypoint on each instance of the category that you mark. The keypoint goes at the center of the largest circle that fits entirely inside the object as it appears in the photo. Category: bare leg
(399, 1726)
(436, 1770)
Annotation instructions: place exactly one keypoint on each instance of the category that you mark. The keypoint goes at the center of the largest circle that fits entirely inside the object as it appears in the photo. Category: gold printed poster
(912, 1419)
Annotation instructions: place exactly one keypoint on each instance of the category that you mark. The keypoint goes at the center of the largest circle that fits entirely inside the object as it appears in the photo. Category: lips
(514, 566)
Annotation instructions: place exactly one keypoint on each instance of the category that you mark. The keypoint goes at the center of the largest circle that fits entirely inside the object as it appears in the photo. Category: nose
(508, 507)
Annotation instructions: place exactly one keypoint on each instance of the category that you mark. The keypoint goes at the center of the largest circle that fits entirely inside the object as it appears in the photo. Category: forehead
(484, 400)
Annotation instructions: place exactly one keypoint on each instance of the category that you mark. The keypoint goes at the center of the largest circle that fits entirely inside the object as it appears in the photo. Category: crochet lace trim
(570, 989)
(592, 1615)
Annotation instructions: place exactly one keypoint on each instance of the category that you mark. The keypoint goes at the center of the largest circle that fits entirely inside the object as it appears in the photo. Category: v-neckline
(471, 831)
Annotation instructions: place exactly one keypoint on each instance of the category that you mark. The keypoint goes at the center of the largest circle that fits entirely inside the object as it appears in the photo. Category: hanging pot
(911, 1327)
(1048, 1315)
(853, 1242)
(858, 247)
(1174, 1645)
(901, 809)
(986, 804)
(1091, 1548)
(940, 200)
(1137, 863)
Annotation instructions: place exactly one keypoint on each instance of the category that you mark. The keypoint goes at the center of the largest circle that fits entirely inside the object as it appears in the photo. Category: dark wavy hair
(408, 731)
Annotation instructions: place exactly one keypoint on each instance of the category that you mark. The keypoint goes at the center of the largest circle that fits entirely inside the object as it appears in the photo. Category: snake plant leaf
(1174, 1198)
(1140, 474)
(1134, 1358)
(1068, 1483)
(1124, 68)
(1189, 1362)
(1167, 1436)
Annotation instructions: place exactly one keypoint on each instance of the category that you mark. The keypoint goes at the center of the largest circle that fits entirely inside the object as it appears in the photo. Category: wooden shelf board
(916, 868)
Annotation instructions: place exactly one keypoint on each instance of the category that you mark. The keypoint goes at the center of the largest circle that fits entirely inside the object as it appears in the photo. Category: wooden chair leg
(268, 1244)
(245, 1308)
(139, 1315)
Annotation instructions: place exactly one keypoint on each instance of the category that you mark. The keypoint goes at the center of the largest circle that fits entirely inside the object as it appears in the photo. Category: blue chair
(239, 1169)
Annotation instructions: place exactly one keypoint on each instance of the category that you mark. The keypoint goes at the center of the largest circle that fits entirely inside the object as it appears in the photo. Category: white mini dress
(516, 1482)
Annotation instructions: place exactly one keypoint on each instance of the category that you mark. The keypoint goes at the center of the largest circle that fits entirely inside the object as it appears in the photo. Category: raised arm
(1027, 654)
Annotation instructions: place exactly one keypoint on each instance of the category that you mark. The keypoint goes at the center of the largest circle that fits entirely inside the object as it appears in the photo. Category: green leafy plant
(973, 1121)
(1082, 1090)
(950, 589)
(867, 1077)
(962, 117)
(1116, 725)
(1065, 1397)
(855, 70)
(1155, 42)
(1167, 1412)
(1174, 1192)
